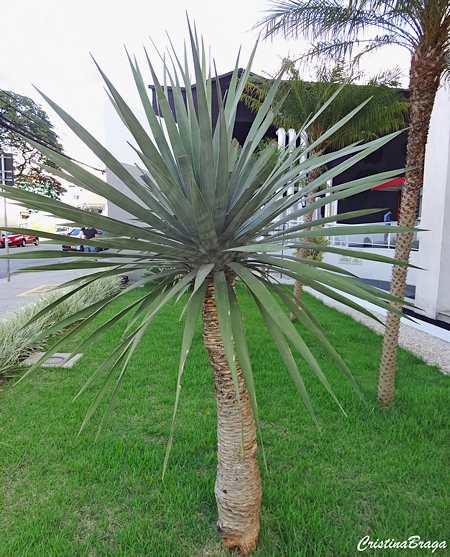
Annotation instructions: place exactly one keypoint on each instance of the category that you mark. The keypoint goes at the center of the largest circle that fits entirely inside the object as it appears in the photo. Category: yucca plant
(201, 222)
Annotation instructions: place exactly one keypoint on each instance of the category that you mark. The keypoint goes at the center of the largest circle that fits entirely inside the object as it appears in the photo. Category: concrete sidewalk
(24, 288)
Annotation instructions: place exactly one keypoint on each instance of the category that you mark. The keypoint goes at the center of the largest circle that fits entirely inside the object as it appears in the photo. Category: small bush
(314, 254)
(14, 336)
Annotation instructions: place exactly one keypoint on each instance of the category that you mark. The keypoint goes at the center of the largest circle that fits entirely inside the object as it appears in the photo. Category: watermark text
(413, 542)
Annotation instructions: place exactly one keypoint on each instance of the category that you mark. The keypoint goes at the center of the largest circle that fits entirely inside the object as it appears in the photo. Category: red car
(19, 240)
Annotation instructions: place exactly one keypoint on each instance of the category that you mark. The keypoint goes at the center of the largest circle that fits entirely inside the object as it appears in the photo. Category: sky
(49, 44)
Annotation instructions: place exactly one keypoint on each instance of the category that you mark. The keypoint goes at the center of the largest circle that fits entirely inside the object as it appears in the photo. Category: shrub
(15, 333)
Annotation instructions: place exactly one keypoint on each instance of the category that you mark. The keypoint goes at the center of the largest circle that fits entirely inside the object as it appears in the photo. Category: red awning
(393, 185)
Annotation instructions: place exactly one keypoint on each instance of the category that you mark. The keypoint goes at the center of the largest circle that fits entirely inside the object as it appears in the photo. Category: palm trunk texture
(427, 66)
(238, 488)
(303, 253)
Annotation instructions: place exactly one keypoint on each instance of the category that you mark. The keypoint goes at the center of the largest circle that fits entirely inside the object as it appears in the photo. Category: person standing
(81, 236)
(89, 233)
(387, 221)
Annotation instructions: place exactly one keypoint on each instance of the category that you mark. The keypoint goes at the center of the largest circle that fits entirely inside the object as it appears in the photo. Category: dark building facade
(244, 116)
(390, 157)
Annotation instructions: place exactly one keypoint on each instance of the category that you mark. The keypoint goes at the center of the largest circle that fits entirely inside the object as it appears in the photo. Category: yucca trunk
(303, 253)
(238, 484)
(426, 69)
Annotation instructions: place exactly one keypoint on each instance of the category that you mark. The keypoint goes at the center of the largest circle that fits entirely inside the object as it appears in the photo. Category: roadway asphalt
(16, 264)
(23, 288)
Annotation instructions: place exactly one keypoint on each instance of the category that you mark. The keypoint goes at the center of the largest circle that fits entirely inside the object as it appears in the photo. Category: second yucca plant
(209, 213)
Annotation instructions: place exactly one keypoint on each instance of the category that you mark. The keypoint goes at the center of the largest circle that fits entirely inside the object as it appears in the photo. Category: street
(15, 264)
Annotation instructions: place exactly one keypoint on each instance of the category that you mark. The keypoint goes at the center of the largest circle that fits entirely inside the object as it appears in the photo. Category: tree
(21, 119)
(333, 95)
(202, 206)
(421, 26)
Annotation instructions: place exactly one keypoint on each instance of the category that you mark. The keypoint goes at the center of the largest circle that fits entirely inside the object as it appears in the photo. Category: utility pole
(7, 179)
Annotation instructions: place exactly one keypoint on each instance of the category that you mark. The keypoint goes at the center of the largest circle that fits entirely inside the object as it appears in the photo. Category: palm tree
(197, 218)
(421, 26)
(333, 95)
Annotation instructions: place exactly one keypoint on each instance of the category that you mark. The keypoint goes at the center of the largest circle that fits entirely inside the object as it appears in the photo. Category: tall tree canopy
(386, 111)
(21, 119)
(423, 27)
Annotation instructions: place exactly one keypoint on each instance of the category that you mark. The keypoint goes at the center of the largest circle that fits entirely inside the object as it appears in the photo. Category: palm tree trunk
(426, 69)
(238, 484)
(303, 253)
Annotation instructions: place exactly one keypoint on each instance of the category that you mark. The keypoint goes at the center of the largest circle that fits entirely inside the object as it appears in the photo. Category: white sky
(47, 43)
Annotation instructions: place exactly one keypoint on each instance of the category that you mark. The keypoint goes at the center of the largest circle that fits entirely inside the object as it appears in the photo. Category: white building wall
(433, 283)
(118, 140)
(14, 213)
(117, 136)
(372, 270)
(114, 211)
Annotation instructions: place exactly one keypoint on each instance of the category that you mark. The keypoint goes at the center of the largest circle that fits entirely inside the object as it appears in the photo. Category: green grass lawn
(379, 473)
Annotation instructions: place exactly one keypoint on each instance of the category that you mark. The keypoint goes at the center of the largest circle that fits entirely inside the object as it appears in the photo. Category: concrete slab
(59, 359)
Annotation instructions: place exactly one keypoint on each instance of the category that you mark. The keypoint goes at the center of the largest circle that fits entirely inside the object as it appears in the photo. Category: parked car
(63, 230)
(75, 232)
(19, 240)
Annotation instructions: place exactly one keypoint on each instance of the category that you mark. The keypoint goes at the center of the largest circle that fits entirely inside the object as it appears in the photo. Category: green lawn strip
(377, 473)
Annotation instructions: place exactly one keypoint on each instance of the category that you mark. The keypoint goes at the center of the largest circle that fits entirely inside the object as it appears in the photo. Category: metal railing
(385, 239)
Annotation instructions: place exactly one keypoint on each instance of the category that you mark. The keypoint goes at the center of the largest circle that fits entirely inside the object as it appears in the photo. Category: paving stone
(59, 359)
